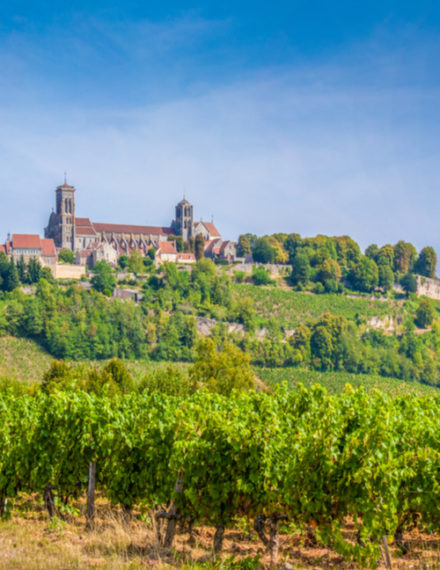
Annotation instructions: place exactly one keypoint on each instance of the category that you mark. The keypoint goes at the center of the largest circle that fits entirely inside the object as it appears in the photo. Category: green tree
(21, 270)
(4, 266)
(405, 255)
(135, 262)
(322, 347)
(364, 276)
(262, 251)
(58, 376)
(292, 244)
(199, 247)
(66, 256)
(243, 245)
(123, 261)
(11, 279)
(426, 262)
(329, 273)
(34, 270)
(301, 269)
(103, 279)
(180, 244)
(347, 250)
(261, 276)
(190, 245)
(372, 251)
(47, 274)
(424, 314)
(385, 255)
(386, 277)
(151, 253)
(222, 370)
(118, 372)
(409, 283)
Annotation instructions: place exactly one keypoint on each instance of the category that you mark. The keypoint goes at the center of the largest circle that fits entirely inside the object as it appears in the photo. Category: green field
(290, 308)
(22, 359)
(336, 381)
(25, 360)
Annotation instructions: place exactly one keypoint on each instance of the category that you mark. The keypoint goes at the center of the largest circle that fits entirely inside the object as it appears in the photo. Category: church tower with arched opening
(61, 226)
(183, 223)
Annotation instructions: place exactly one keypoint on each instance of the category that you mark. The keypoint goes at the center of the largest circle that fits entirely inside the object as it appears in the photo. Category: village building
(186, 258)
(220, 249)
(166, 251)
(207, 229)
(28, 246)
(95, 252)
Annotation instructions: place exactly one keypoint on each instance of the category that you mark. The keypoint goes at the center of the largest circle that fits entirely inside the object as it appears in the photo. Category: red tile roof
(213, 231)
(84, 231)
(48, 246)
(26, 241)
(224, 246)
(84, 227)
(210, 245)
(128, 229)
(167, 247)
(3, 248)
(83, 222)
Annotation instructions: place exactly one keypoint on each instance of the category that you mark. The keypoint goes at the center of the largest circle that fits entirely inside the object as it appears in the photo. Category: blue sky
(301, 116)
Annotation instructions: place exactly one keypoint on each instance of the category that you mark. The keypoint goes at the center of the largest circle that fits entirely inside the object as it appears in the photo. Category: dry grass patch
(29, 541)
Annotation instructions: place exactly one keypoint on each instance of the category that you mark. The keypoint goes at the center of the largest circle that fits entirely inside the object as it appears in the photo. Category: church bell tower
(183, 224)
(61, 227)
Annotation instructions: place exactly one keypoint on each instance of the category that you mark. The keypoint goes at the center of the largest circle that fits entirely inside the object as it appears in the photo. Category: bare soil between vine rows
(29, 541)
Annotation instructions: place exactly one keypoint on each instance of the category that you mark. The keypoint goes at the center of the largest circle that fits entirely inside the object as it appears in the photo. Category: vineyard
(303, 461)
(291, 308)
(337, 381)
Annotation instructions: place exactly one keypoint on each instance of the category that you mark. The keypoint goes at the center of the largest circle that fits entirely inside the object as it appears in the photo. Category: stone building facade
(87, 238)
(61, 226)
(29, 246)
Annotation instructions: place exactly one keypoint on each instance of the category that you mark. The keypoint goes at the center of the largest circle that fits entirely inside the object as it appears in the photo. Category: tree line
(325, 263)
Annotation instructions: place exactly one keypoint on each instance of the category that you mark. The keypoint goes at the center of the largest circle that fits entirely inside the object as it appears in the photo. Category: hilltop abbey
(83, 236)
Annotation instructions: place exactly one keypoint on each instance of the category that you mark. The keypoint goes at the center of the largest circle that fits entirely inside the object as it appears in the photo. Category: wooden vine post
(90, 514)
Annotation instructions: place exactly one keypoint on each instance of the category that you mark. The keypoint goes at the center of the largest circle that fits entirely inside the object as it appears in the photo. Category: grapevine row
(306, 459)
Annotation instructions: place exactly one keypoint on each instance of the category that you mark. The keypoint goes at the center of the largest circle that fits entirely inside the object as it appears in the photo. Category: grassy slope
(290, 308)
(336, 381)
(25, 360)
(22, 359)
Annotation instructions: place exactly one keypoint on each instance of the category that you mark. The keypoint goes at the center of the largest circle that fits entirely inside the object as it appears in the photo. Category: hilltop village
(95, 241)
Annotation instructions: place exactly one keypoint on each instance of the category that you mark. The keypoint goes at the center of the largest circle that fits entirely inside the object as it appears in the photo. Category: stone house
(31, 246)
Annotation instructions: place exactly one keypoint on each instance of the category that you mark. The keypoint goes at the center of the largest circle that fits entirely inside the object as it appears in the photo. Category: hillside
(290, 308)
(159, 320)
(22, 359)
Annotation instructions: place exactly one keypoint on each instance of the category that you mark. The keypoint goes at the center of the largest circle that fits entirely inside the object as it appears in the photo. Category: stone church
(83, 235)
